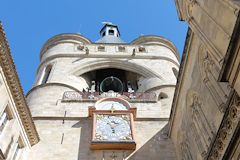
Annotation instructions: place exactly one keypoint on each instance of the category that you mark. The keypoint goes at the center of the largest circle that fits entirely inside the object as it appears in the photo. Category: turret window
(162, 96)
(175, 72)
(104, 33)
(111, 32)
(47, 74)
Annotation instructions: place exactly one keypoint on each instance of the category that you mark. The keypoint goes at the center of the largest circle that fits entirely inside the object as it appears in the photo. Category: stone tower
(79, 81)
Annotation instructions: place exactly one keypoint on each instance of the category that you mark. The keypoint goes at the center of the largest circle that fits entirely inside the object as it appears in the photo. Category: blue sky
(29, 24)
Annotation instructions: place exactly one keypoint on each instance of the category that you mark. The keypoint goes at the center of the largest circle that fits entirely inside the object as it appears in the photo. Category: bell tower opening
(112, 79)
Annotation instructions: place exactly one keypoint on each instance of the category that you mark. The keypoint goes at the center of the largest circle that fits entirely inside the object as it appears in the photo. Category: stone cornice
(226, 130)
(178, 10)
(15, 88)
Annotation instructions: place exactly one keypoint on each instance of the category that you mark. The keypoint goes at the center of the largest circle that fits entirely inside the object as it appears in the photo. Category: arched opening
(111, 79)
(162, 95)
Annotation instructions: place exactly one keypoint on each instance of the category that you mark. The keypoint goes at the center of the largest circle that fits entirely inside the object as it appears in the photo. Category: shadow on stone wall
(158, 147)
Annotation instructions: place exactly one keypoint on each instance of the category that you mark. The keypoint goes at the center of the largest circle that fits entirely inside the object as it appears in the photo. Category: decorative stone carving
(209, 72)
(185, 150)
(226, 130)
(202, 130)
(201, 148)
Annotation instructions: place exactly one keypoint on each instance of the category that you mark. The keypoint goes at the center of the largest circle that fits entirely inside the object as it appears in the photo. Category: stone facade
(204, 121)
(60, 108)
(17, 131)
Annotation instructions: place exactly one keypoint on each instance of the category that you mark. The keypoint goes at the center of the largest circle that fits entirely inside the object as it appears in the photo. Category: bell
(111, 83)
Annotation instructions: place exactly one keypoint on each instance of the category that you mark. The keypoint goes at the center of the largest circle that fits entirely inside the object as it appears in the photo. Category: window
(111, 32)
(16, 151)
(101, 48)
(141, 49)
(46, 74)
(3, 120)
(121, 49)
(175, 72)
(104, 33)
(1, 155)
(162, 96)
(15, 148)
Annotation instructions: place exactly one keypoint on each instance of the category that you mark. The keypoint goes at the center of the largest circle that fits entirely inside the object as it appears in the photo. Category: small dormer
(110, 29)
(109, 34)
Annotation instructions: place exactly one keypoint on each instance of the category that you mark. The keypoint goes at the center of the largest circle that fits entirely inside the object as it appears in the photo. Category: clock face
(108, 105)
(113, 128)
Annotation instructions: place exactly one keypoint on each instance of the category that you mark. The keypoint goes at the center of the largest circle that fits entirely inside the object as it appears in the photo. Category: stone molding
(209, 72)
(79, 39)
(228, 126)
(116, 57)
(14, 85)
(64, 38)
(119, 64)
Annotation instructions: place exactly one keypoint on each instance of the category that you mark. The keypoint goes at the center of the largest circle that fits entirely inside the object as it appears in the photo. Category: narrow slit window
(162, 96)
(104, 33)
(175, 72)
(5, 117)
(3, 121)
(47, 74)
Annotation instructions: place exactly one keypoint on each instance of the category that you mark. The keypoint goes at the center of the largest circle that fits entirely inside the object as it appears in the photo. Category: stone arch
(118, 64)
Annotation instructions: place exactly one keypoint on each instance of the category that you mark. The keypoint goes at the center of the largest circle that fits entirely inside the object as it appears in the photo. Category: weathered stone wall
(202, 122)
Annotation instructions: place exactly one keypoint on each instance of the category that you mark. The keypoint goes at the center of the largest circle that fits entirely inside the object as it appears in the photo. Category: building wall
(66, 125)
(11, 132)
(17, 131)
(201, 123)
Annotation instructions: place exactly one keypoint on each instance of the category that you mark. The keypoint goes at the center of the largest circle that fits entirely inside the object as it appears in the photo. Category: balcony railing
(136, 97)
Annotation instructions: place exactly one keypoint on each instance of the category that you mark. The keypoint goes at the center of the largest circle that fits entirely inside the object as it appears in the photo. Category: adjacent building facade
(17, 130)
(205, 116)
